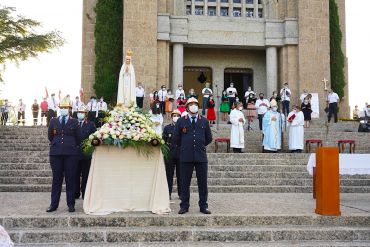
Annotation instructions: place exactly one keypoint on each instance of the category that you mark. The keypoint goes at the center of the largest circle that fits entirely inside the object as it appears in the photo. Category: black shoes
(205, 211)
(51, 209)
(183, 210)
(71, 209)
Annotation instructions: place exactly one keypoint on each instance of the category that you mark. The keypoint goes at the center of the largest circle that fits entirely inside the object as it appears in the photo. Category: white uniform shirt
(21, 107)
(92, 106)
(162, 95)
(285, 94)
(231, 92)
(140, 92)
(262, 106)
(53, 104)
(75, 105)
(102, 106)
(333, 98)
(178, 92)
(246, 95)
(206, 90)
(303, 96)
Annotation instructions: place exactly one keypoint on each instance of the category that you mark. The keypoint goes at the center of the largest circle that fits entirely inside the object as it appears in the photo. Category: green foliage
(108, 47)
(19, 40)
(337, 59)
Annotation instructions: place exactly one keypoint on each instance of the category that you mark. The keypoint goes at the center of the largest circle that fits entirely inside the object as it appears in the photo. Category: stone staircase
(254, 197)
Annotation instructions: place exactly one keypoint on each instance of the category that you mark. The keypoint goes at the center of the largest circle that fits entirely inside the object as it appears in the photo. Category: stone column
(177, 65)
(271, 70)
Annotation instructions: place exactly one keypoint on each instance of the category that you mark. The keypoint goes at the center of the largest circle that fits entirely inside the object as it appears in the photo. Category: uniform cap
(192, 100)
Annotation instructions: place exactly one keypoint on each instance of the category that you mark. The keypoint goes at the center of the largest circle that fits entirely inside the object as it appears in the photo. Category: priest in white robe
(272, 128)
(127, 84)
(237, 120)
(296, 130)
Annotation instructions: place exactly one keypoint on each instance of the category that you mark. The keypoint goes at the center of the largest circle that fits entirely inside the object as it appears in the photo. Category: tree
(19, 40)
(108, 47)
(337, 59)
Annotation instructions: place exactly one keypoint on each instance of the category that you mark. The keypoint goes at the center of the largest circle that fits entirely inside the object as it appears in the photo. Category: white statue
(127, 83)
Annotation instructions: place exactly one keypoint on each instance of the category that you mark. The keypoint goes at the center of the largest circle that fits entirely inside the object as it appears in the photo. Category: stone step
(211, 189)
(197, 234)
(211, 181)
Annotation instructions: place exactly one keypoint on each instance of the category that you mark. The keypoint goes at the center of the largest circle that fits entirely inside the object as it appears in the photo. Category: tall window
(237, 12)
(212, 11)
(224, 11)
(199, 10)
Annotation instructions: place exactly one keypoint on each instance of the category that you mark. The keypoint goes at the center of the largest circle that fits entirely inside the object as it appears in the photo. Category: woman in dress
(181, 101)
(211, 115)
(224, 106)
(306, 109)
(169, 104)
(251, 109)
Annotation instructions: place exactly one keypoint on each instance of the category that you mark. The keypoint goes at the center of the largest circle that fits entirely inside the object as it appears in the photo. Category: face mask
(306, 101)
(285, 87)
(261, 97)
(163, 89)
(274, 108)
(193, 109)
(240, 108)
(174, 119)
(237, 100)
(80, 116)
(249, 89)
(64, 112)
(180, 88)
(101, 100)
(275, 94)
(231, 86)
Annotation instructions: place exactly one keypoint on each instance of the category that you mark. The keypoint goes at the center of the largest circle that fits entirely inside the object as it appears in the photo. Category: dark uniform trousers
(192, 140)
(84, 161)
(172, 162)
(64, 141)
(333, 110)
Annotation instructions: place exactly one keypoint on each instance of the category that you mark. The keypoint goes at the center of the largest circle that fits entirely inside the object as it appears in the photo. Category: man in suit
(86, 128)
(192, 134)
(172, 162)
(64, 137)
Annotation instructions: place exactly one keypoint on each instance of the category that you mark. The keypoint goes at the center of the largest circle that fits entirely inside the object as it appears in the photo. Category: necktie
(193, 122)
(63, 122)
(81, 124)
(91, 106)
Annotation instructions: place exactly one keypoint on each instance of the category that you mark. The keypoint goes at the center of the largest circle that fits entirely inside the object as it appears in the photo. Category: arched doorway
(242, 79)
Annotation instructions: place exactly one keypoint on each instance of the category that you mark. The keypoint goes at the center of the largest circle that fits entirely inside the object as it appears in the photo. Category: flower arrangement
(126, 127)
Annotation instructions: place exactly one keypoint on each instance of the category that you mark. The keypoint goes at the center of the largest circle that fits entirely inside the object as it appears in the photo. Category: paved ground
(35, 204)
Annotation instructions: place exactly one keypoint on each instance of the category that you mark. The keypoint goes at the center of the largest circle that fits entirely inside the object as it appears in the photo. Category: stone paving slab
(35, 204)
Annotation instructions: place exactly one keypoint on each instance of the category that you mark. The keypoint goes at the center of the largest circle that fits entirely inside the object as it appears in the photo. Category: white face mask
(241, 108)
(231, 86)
(274, 108)
(174, 119)
(193, 109)
(64, 112)
(180, 88)
(81, 116)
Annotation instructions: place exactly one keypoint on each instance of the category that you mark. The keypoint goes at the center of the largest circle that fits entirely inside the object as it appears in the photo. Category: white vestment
(296, 131)
(157, 119)
(126, 86)
(272, 126)
(237, 130)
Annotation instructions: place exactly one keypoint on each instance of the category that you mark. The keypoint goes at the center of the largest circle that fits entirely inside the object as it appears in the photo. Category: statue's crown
(129, 52)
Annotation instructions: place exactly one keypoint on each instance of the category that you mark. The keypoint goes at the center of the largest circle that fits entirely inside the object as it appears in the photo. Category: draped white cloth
(349, 164)
(296, 131)
(126, 94)
(122, 181)
(237, 130)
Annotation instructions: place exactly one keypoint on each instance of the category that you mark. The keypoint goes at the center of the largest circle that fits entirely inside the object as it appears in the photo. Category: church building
(257, 43)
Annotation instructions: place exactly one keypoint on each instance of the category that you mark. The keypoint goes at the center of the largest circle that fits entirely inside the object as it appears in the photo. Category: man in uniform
(86, 128)
(64, 137)
(192, 134)
(172, 160)
(52, 108)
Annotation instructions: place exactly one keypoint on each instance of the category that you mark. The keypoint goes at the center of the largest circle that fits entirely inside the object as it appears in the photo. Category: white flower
(105, 136)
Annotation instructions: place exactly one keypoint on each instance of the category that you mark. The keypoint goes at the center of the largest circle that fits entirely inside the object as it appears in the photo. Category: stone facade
(285, 40)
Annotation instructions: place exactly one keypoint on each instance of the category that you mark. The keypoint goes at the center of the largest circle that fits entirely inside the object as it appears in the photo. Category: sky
(61, 68)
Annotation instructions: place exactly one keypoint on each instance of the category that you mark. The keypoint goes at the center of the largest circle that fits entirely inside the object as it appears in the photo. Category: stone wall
(314, 46)
(88, 44)
(288, 71)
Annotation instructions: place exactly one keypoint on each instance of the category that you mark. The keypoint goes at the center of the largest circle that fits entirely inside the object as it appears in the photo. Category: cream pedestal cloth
(121, 181)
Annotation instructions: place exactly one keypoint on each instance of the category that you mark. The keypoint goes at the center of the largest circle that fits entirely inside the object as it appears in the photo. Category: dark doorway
(242, 79)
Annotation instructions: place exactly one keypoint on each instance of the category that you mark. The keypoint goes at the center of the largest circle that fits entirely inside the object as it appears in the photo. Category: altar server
(193, 134)
(64, 138)
(237, 120)
(172, 162)
(86, 128)
(157, 118)
(272, 127)
(296, 130)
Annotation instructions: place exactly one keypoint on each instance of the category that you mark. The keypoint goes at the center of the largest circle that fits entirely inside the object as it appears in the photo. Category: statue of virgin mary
(127, 83)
